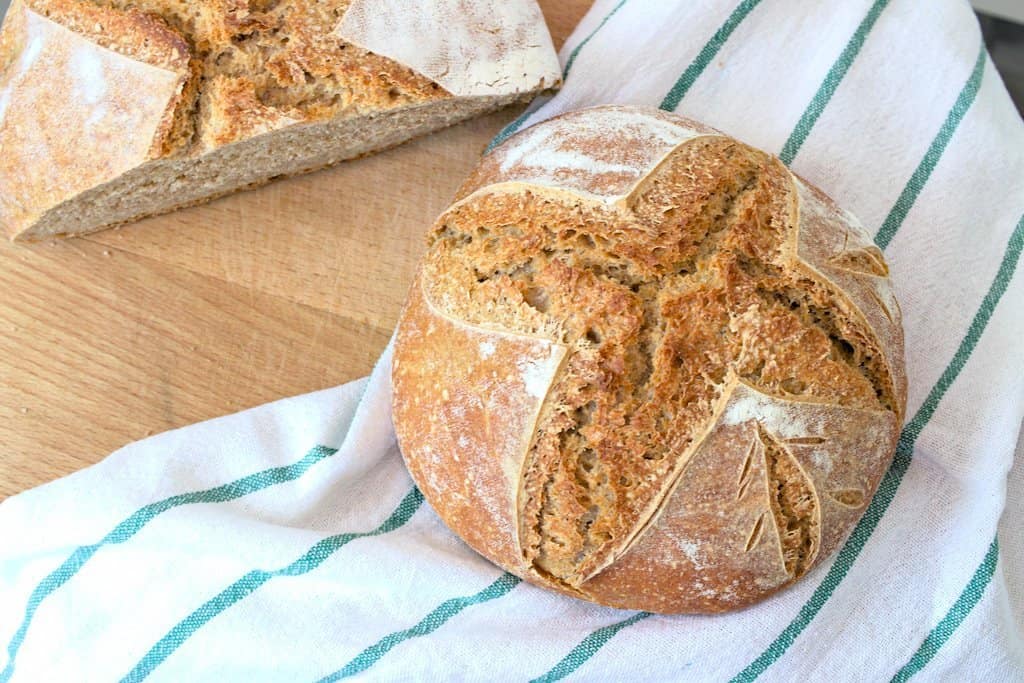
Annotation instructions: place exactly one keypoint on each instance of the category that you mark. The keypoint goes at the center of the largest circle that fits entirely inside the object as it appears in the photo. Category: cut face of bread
(646, 365)
(111, 110)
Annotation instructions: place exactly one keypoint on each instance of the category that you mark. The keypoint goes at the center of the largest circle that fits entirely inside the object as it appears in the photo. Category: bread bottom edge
(165, 185)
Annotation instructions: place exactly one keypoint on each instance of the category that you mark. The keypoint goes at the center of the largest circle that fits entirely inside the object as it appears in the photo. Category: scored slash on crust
(744, 479)
(852, 498)
(863, 261)
(755, 533)
(805, 440)
(881, 305)
(793, 500)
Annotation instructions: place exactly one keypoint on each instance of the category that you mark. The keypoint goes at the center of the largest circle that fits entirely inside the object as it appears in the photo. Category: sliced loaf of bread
(112, 110)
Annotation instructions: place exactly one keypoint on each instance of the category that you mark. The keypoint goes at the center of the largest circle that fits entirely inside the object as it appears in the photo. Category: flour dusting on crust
(603, 153)
(537, 374)
(105, 95)
(471, 48)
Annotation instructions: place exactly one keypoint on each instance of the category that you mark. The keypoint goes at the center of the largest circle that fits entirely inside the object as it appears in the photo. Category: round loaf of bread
(644, 364)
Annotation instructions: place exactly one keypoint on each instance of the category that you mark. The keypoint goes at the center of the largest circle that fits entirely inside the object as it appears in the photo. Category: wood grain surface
(266, 294)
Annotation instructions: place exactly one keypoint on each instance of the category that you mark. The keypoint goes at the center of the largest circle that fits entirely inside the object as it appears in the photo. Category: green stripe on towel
(706, 54)
(831, 83)
(576, 51)
(430, 623)
(143, 516)
(249, 583)
(587, 648)
(931, 158)
(1007, 267)
(970, 597)
(509, 130)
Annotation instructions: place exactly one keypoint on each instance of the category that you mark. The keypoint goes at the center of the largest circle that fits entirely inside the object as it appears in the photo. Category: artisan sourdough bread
(644, 364)
(111, 110)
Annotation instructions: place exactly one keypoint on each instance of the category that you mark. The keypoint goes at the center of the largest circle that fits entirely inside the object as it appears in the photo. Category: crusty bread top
(258, 65)
(730, 374)
(132, 33)
(281, 63)
(603, 155)
(610, 155)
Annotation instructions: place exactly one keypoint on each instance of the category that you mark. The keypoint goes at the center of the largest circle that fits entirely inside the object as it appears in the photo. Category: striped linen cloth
(287, 543)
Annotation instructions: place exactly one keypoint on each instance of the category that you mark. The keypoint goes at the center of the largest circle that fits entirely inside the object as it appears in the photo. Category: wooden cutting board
(266, 294)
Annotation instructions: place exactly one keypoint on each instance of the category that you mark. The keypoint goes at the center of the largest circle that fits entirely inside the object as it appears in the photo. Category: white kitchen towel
(287, 543)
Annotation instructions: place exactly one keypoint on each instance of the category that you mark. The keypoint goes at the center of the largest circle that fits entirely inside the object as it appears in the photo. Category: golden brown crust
(265, 65)
(732, 385)
(718, 544)
(851, 260)
(467, 457)
(143, 37)
(233, 112)
(132, 33)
